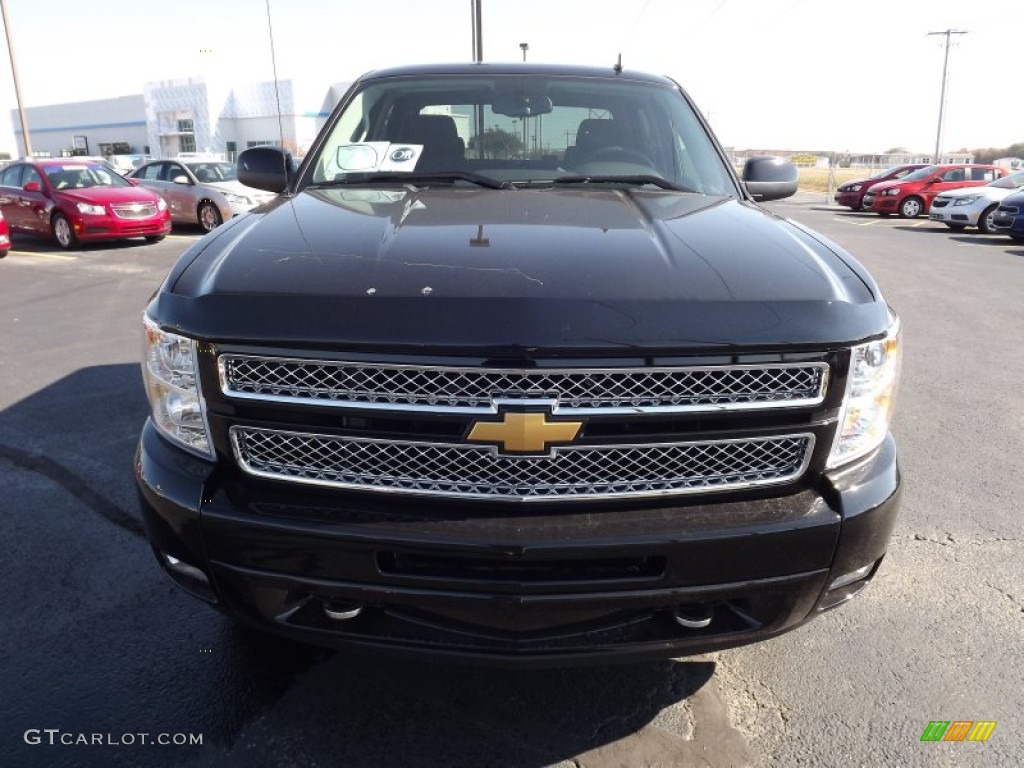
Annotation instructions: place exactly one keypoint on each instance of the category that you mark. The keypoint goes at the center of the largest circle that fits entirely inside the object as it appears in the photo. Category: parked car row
(77, 199)
(959, 195)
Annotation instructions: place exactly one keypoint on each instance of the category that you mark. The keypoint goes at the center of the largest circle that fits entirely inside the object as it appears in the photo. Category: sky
(769, 74)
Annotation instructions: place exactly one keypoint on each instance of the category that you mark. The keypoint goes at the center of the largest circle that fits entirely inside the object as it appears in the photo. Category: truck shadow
(99, 641)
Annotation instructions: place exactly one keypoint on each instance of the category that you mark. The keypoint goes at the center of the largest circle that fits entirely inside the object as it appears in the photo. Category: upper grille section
(478, 472)
(475, 390)
(133, 210)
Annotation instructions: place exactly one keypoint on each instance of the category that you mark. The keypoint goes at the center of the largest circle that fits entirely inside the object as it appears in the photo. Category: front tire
(3, 253)
(911, 208)
(209, 216)
(154, 238)
(63, 232)
(985, 220)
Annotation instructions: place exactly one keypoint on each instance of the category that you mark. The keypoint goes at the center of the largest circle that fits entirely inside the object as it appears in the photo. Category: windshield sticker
(374, 156)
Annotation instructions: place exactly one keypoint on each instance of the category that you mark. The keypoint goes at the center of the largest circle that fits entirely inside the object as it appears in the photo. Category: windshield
(82, 176)
(1013, 181)
(520, 130)
(896, 172)
(213, 172)
(921, 173)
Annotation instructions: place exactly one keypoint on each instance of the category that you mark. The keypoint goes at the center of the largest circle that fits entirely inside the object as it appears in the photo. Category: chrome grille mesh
(574, 472)
(468, 389)
(133, 210)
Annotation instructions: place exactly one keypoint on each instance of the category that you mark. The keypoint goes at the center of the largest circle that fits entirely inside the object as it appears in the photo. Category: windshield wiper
(418, 179)
(636, 180)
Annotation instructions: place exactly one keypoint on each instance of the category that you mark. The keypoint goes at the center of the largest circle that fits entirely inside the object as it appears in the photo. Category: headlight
(966, 200)
(94, 210)
(161, 204)
(855, 188)
(891, 191)
(172, 385)
(870, 393)
(236, 199)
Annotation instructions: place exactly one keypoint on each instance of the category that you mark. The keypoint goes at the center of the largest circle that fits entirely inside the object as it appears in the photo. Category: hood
(101, 195)
(520, 269)
(991, 193)
(238, 188)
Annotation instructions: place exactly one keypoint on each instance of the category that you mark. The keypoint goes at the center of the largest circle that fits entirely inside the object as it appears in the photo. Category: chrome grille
(133, 210)
(469, 471)
(471, 390)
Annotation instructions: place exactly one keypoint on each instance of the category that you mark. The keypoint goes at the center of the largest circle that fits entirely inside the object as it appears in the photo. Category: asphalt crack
(73, 484)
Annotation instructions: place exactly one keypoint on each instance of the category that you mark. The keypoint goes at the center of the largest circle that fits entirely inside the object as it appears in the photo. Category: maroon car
(79, 200)
(851, 194)
(5, 236)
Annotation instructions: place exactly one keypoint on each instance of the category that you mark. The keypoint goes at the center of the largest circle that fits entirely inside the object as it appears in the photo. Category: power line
(942, 96)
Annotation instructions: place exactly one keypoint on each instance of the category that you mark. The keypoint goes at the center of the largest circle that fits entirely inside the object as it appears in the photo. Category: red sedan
(851, 194)
(5, 236)
(913, 194)
(77, 201)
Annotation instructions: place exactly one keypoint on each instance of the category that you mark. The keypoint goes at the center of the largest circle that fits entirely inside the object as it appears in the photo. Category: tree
(497, 143)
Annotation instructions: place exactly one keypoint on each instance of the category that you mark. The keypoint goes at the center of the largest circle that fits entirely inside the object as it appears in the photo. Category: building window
(186, 126)
(186, 143)
(251, 144)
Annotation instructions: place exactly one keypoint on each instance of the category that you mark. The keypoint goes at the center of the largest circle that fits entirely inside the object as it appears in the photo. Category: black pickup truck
(516, 369)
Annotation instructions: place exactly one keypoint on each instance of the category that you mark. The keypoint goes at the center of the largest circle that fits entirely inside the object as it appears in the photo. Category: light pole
(942, 96)
(525, 47)
(17, 90)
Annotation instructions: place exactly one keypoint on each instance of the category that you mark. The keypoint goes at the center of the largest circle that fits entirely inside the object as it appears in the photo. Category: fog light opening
(694, 616)
(852, 576)
(188, 577)
(184, 569)
(341, 610)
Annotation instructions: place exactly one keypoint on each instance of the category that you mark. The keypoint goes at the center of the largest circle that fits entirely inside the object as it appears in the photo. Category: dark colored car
(913, 194)
(1009, 217)
(571, 399)
(851, 193)
(5, 236)
(77, 201)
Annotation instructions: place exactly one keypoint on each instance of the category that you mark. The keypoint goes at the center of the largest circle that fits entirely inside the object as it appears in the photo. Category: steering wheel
(619, 154)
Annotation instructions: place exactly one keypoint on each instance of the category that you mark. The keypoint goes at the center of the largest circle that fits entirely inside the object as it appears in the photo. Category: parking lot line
(58, 256)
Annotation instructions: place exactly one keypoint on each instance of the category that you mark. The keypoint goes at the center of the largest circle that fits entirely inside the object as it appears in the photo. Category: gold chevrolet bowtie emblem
(524, 432)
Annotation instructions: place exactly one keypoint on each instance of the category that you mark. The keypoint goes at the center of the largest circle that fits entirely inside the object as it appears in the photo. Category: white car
(974, 206)
(203, 192)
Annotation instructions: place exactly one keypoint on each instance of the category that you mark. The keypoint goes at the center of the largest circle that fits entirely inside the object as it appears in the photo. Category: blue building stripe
(133, 123)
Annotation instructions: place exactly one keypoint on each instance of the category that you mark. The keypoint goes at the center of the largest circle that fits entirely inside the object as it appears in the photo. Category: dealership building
(187, 115)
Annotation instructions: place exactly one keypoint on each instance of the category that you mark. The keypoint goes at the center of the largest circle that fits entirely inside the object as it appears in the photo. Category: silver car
(203, 192)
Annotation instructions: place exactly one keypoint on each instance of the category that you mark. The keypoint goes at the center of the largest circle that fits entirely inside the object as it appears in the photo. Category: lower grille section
(478, 472)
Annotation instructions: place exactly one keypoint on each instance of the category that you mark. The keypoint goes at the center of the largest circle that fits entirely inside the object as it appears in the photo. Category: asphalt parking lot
(98, 641)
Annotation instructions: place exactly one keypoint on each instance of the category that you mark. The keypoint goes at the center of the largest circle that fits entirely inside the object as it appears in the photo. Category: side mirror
(770, 178)
(31, 186)
(269, 168)
(182, 179)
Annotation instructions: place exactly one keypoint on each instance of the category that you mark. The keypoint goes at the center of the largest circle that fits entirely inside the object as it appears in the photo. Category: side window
(12, 176)
(151, 172)
(172, 171)
(983, 174)
(31, 174)
(953, 174)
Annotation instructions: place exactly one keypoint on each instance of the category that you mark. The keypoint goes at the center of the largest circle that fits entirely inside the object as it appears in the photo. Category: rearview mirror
(31, 186)
(521, 105)
(181, 179)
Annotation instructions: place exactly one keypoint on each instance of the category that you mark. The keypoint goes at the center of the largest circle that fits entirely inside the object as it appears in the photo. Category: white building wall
(52, 128)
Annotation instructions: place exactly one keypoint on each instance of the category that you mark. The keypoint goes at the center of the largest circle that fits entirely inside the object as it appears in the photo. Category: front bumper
(1008, 224)
(550, 585)
(850, 199)
(111, 227)
(885, 203)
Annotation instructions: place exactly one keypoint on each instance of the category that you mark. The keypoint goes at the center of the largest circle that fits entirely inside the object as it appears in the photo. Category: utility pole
(942, 97)
(17, 90)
